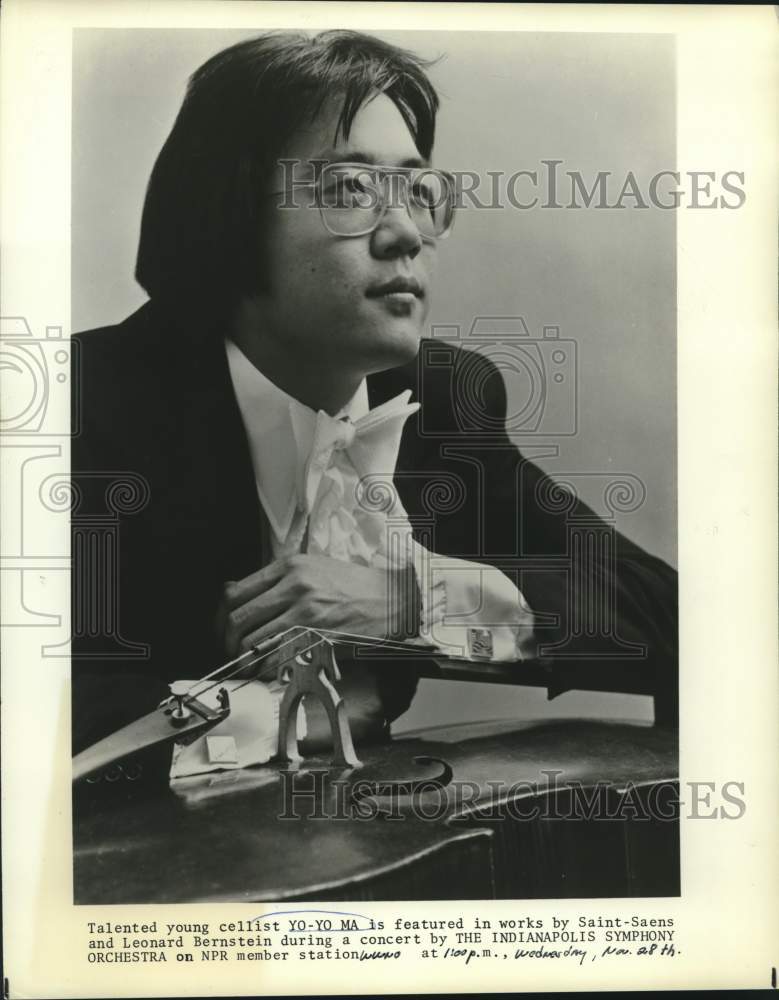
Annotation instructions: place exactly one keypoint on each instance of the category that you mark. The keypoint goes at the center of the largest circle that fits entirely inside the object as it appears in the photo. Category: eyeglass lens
(352, 197)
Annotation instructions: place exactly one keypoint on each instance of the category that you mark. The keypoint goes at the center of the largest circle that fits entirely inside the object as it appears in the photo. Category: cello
(494, 809)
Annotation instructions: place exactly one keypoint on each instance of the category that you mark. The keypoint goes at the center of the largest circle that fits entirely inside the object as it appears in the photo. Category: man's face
(323, 306)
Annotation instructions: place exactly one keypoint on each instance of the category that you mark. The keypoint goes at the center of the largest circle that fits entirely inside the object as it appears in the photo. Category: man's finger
(255, 613)
(238, 592)
(275, 627)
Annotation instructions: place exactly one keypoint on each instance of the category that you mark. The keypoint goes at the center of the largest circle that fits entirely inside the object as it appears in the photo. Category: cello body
(553, 809)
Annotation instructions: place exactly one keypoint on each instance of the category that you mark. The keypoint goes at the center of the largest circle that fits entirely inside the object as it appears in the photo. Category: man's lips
(400, 287)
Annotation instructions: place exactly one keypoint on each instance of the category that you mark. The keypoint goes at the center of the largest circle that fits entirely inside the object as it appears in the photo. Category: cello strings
(398, 645)
(283, 662)
(192, 693)
(222, 667)
(323, 635)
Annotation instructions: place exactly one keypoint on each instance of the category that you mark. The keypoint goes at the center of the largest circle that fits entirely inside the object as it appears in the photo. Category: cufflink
(480, 645)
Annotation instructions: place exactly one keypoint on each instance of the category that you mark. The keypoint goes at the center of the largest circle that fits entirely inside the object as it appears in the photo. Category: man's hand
(319, 592)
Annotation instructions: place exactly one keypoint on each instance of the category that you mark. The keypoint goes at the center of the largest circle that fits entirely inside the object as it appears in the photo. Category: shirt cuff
(471, 610)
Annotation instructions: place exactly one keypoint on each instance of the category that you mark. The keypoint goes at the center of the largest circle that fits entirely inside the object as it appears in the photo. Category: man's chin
(395, 348)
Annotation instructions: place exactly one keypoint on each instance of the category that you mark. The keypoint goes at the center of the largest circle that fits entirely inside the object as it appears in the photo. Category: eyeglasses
(353, 198)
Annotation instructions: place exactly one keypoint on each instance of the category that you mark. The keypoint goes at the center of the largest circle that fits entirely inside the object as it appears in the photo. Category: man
(262, 398)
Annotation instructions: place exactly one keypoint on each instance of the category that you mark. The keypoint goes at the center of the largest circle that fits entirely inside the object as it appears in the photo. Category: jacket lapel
(210, 476)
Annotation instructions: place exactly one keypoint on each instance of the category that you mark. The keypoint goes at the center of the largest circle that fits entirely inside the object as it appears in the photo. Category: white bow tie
(371, 444)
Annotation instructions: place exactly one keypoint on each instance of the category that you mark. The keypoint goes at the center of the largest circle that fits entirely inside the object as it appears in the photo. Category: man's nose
(396, 235)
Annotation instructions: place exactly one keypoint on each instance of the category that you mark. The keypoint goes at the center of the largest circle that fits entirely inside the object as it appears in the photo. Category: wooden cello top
(219, 836)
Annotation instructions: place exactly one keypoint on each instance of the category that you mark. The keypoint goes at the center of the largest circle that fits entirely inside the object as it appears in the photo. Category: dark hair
(202, 218)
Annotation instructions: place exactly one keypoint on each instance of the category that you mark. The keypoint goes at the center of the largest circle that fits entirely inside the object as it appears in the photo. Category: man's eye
(349, 190)
(354, 185)
(426, 194)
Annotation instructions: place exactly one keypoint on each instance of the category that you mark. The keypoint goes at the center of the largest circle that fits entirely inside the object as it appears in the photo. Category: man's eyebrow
(357, 156)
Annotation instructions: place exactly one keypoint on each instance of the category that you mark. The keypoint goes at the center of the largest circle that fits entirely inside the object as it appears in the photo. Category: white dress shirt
(313, 473)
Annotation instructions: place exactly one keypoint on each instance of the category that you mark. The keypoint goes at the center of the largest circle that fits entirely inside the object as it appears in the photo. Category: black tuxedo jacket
(154, 410)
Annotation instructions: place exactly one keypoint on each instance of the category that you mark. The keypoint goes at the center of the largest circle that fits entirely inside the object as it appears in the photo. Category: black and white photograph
(387, 522)
(388, 447)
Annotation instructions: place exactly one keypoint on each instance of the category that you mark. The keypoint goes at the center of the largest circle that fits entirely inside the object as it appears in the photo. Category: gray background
(605, 277)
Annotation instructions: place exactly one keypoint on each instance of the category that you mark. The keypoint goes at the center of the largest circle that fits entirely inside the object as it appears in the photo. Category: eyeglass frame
(385, 171)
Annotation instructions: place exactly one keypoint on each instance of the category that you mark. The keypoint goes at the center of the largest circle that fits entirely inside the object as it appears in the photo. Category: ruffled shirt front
(325, 484)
